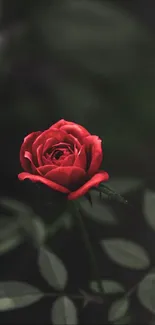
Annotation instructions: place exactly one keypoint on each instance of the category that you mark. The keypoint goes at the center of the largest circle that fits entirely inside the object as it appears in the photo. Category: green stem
(89, 247)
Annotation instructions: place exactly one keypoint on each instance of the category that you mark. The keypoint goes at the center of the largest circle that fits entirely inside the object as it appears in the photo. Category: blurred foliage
(53, 276)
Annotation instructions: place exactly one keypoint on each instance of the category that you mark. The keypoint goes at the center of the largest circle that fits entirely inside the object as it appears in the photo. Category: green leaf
(52, 269)
(109, 286)
(118, 309)
(10, 243)
(125, 320)
(149, 208)
(10, 234)
(146, 292)
(38, 231)
(126, 253)
(15, 294)
(64, 312)
(18, 208)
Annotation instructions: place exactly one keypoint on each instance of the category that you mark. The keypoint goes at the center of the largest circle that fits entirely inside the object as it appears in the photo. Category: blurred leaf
(109, 286)
(152, 322)
(149, 208)
(10, 235)
(52, 269)
(17, 295)
(26, 220)
(8, 227)
(124, 185)
(126, 320)
(38, 232)
(16, 207)
(64, 312)
(68, 220)
(118, 309)
(146, 292)
(8, 244)
(99, 212)
(126, 253)
(64, 221)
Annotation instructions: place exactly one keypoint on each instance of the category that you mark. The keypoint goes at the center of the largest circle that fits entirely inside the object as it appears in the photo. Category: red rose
(66, 157)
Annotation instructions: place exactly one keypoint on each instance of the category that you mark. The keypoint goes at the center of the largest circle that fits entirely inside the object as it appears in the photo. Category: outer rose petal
(27, 146)
(76, 130)
(72, 128)
(93, 182)
(69, 176)
(94, 148)
(60, 123)
(49, 183)
(42, 170)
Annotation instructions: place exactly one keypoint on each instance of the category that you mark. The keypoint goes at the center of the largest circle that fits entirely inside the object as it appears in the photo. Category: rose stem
(89, 248)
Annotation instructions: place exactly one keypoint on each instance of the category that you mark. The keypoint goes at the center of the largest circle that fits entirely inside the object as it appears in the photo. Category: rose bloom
(65, 157)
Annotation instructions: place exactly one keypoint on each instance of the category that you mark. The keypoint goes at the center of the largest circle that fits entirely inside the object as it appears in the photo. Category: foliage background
(92, 62)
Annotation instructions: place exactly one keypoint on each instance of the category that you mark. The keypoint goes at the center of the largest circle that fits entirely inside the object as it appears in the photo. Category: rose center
(58, 154)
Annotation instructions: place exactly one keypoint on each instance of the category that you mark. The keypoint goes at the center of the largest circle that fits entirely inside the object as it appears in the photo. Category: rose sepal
(89, 198)
(112, 195)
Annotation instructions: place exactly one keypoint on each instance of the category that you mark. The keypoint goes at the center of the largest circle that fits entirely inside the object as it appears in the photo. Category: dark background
(91, 62)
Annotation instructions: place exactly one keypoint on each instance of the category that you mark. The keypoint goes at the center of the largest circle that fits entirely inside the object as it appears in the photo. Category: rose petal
(57, 163)
(49, 183)
(55, 135)
(27, 146)
(76, 130)
(62, 145)
(39, 155)
(80, 160)
(72, 128)
(28, 156)
(68, 161)
(70, 141)
(43, 170)
(73, 141)
(49, 143)
(93, 182)
(94, 149)
(69, 177)
(46, 161)
(60, 123)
